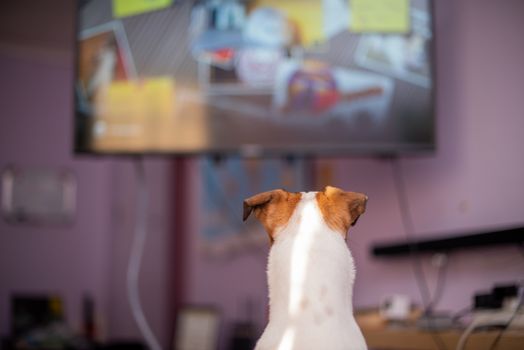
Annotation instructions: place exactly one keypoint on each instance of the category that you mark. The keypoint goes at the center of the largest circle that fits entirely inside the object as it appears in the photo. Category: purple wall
(35, 129)
(473, 182)
(89, 256)
(154, 282)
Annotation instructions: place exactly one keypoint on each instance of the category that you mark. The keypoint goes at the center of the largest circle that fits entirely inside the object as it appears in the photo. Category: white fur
(310, 277)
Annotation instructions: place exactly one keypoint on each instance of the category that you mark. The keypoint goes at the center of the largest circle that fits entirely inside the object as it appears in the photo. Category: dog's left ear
(273, 208)
(257, 200)
(341, 209)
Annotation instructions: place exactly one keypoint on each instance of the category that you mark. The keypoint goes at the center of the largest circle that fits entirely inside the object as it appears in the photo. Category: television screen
(254, 76)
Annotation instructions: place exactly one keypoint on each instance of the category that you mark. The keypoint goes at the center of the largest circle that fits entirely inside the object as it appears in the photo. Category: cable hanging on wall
(135, 258)
(418, 269)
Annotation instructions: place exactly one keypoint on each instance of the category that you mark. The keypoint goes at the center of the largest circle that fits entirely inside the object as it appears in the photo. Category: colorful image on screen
(259, 76)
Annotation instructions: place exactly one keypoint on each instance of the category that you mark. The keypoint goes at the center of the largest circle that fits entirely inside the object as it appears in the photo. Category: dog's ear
(273, 208)
(341, 209)
(257, 200)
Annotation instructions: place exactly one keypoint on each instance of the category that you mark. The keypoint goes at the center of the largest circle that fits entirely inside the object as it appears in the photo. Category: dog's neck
(310, 272)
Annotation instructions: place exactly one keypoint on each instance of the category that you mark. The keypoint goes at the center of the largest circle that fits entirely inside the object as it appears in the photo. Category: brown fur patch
(273, 208)
(341, 209)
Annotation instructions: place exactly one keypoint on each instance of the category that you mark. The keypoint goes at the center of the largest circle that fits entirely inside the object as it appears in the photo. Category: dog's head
(340, 209)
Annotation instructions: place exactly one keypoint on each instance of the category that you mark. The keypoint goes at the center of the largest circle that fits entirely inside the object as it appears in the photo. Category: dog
(310, 269)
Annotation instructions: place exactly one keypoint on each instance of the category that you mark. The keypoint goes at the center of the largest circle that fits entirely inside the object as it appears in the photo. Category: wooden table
(412, 339)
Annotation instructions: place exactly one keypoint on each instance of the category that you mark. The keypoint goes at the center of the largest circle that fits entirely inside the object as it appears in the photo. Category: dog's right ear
(273, 208)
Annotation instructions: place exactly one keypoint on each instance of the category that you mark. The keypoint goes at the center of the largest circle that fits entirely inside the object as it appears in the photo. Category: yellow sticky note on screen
(126, 8)
(382, 16)
(305, 15)
(150, 99)
(134, 115)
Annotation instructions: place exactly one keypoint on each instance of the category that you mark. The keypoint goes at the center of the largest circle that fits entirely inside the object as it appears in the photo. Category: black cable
(416, 261)
(407, 223)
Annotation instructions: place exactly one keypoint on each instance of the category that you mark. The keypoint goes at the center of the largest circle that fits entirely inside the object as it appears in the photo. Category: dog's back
(310, 277)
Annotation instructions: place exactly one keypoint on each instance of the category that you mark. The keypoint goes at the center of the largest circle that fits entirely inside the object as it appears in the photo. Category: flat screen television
(315, 77)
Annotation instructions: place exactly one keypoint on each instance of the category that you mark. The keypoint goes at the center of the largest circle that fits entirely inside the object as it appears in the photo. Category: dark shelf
(446, 244)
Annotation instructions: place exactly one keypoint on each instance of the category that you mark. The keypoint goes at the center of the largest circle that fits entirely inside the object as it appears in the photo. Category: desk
(412, 339)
